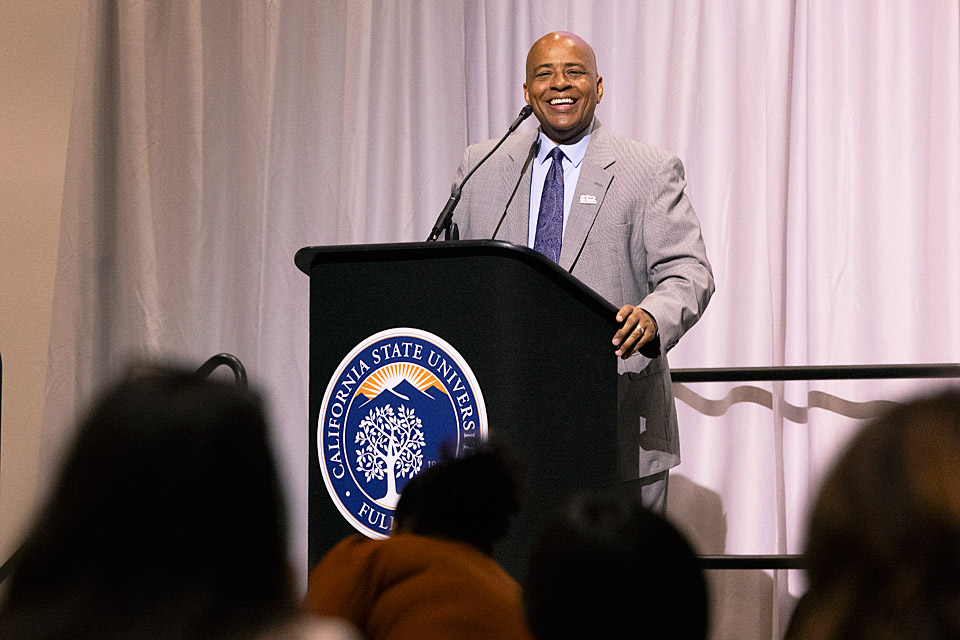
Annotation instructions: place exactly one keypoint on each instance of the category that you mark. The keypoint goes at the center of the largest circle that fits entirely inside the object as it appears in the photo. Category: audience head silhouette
(605, 567)
(471, 499)
(166, 521)
(883, 544)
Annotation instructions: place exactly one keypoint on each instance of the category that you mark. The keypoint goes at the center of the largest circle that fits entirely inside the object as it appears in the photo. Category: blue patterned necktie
(550, 221)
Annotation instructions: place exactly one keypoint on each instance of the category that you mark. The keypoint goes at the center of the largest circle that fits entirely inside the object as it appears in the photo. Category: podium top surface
(307, 257)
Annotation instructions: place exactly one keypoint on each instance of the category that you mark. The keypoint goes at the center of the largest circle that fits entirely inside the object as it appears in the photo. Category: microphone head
(524, 114)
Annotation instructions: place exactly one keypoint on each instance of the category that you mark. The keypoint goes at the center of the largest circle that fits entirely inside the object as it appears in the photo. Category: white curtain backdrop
(210, 140)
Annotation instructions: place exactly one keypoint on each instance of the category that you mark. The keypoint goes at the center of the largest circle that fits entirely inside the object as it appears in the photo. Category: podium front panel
(537, 340)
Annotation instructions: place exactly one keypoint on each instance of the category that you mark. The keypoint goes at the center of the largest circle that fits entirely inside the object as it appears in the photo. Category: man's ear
(599, 88)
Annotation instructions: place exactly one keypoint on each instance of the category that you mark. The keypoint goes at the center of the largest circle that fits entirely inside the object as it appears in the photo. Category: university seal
(394, 401)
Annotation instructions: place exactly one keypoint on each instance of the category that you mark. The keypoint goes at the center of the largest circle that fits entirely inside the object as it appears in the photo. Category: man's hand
(638, 328)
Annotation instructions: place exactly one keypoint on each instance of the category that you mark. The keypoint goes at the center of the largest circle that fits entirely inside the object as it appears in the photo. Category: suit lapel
(514, 227)
(518, 211)
(588, 197)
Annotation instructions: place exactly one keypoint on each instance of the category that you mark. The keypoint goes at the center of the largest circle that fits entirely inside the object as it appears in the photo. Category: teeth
(562, 101)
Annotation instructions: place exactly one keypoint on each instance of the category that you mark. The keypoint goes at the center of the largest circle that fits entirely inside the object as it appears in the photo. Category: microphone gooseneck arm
(446, 216)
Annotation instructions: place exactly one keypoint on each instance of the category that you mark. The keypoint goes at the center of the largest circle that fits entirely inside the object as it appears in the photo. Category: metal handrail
(772, 374)
(751, 562)
(226, 360)
(204, 371)
(844, 372)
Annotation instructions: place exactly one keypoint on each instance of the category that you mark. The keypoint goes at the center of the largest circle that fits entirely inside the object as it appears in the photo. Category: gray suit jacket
(632, 236)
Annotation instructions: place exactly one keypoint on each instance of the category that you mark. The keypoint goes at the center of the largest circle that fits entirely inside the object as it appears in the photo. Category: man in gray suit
(613, 212)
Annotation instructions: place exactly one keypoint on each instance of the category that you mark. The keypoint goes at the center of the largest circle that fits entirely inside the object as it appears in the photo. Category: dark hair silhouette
(883, 544)
(167, 521)
(472, 499)
(605, 567)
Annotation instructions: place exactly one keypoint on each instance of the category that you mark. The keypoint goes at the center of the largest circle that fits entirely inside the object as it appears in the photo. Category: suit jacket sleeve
(678, 272)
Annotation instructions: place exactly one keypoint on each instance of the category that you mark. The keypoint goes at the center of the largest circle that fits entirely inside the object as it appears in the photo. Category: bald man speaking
(613, 212)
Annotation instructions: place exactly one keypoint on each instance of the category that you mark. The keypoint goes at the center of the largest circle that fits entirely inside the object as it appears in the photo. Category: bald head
(562, 85)
(567, 39)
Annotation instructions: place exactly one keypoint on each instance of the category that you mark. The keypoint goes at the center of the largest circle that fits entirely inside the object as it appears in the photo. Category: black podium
(536, 338)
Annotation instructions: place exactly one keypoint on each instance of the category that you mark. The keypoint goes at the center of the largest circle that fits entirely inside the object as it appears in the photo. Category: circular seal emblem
(394, 401)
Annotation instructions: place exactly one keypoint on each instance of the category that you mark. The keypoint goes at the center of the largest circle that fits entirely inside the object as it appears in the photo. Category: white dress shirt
(571, 173)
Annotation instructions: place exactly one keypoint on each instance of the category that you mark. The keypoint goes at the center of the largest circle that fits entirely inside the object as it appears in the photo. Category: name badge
(585, 199)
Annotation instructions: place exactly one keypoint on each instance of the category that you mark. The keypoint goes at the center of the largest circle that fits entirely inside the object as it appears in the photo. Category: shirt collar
(574, 152)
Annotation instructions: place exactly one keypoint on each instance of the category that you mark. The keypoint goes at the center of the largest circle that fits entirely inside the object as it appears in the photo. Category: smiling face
(562, 85)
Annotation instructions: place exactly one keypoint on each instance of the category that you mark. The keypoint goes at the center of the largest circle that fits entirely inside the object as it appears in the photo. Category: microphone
(524, 114)
(446, 216)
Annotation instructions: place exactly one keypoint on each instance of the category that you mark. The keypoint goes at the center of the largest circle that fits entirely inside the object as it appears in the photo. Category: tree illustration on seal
(392, 445)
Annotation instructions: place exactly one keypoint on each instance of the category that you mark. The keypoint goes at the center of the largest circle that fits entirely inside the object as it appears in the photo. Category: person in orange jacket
(435, 577)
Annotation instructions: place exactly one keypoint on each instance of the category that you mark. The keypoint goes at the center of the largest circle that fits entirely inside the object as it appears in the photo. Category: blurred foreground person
(606, 567)
(883, 545)
(166, 522)
(435, 577)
